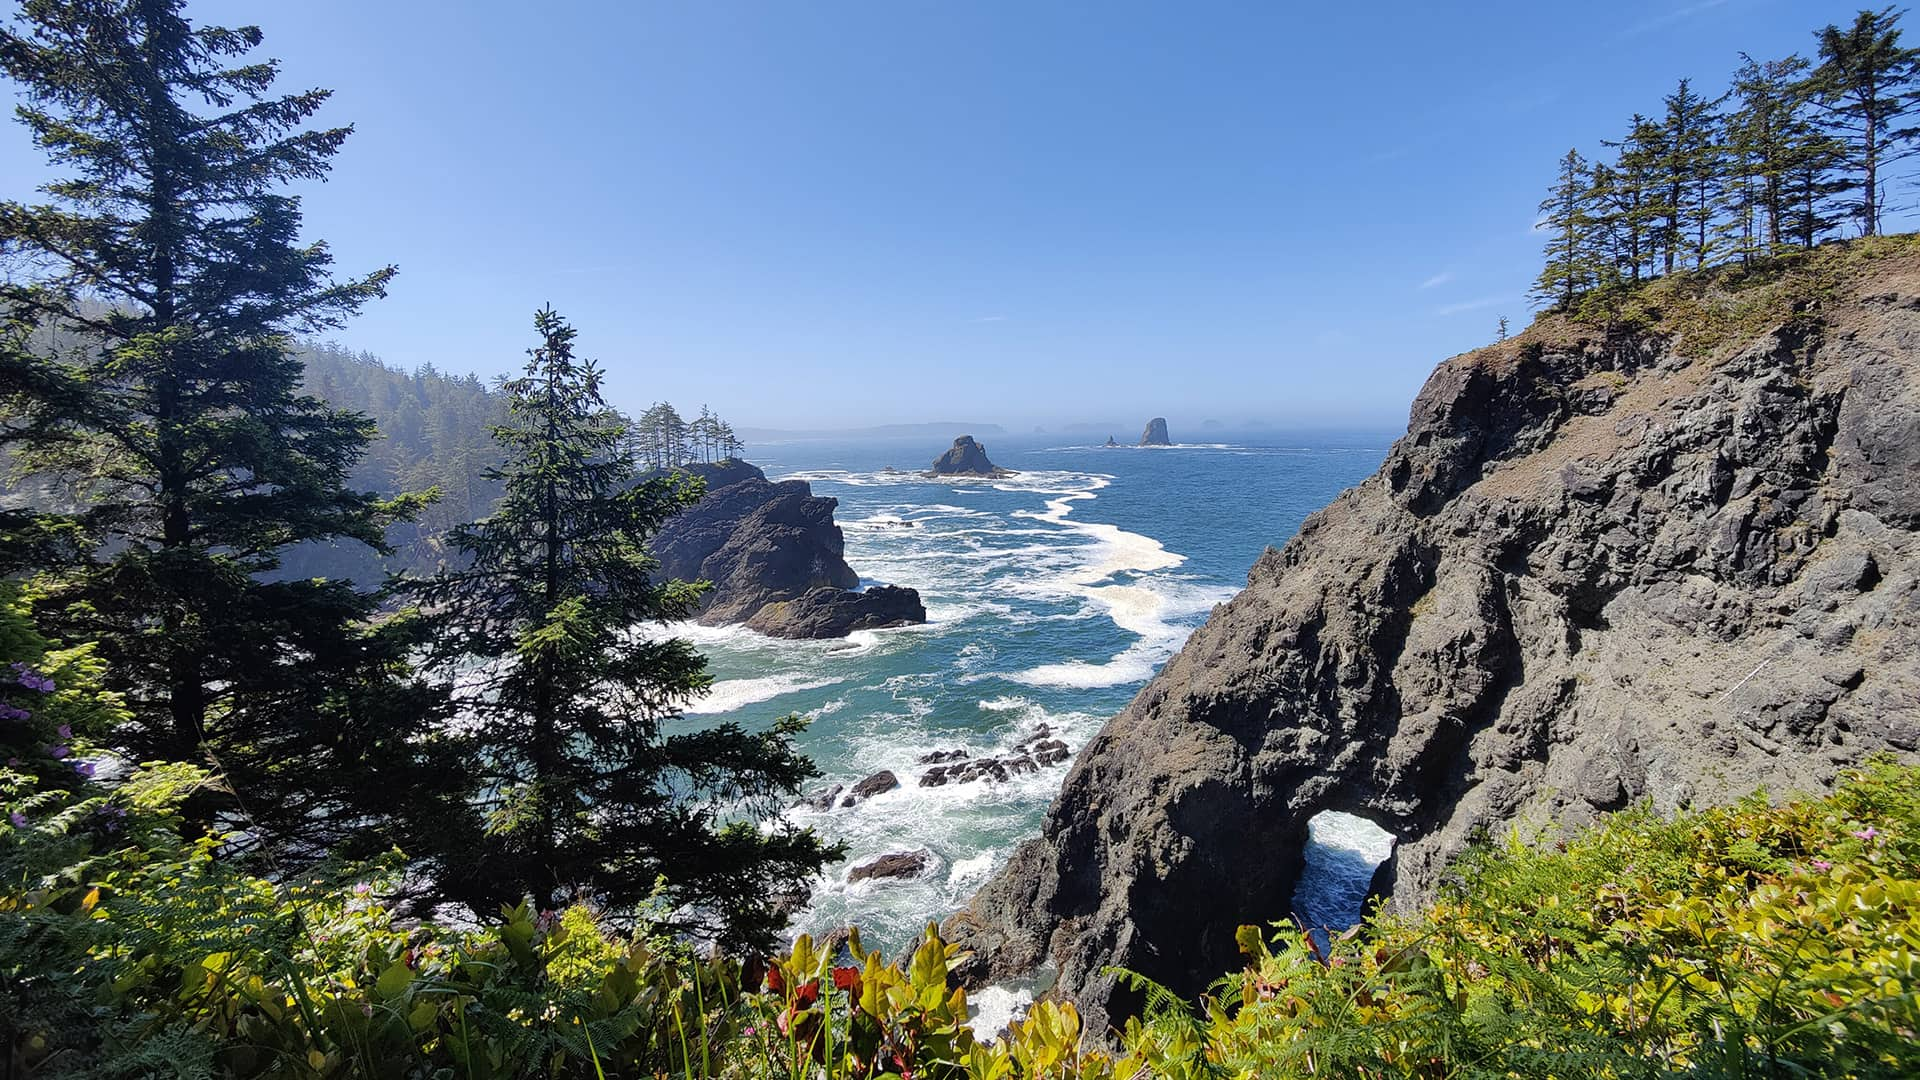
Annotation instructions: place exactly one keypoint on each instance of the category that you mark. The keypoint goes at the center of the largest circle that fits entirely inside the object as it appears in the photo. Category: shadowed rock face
(966, 458)
(764, 543)
(830, 612)
(1156, 433)
(1592, 572)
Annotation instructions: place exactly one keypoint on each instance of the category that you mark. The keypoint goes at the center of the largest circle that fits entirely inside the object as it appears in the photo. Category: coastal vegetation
(270, 823)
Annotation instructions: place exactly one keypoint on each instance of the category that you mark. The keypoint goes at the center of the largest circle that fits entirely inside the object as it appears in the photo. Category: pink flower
(19, 819)
(1867, 833)
(1822, 865)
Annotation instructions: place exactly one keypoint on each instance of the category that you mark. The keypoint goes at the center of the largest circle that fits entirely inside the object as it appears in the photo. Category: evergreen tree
(1567, 218)
(586, 790)
(1687, 170)
(1635, 204)
(1766, 135)
(1867, 85)
(167, 270)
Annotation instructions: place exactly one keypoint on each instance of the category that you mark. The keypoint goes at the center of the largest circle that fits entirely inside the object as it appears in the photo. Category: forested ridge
(435, 433)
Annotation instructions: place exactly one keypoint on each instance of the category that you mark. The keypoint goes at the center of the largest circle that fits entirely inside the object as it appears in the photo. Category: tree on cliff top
(1868, 85)
(168, 264)
(585, 791)
(1567, 219)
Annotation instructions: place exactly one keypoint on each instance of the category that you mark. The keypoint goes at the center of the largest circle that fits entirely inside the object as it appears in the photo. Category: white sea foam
(729, 694)
(992, 1008)
(1342, 852)
(968, 873)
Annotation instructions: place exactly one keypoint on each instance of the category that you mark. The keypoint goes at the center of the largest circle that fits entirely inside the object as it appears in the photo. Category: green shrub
(1747, 941)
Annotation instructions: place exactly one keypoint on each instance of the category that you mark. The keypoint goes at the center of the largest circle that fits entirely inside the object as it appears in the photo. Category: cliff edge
(1668, 552)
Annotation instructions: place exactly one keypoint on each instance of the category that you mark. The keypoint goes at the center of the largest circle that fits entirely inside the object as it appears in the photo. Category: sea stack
(1156, 433)
(1110, 441)
(966, 458)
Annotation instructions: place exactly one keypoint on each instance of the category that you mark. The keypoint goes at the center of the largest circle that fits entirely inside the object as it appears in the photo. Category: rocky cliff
(1670, 553)
(1155, 433)
(763, 544)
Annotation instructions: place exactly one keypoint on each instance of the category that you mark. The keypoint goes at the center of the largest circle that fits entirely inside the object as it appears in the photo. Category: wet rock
(1156, 433)
(1050, 751)
(939, 756)
(833, 613)
(897, 864)
(823, 799)
(884, 780)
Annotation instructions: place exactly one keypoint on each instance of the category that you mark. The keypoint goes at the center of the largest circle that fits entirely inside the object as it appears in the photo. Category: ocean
(1052, 597)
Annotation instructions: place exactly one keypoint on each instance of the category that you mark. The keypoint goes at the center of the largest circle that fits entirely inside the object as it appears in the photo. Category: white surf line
(1134, 608)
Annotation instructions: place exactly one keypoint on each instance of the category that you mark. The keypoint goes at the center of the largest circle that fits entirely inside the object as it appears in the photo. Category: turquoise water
(1052, 597)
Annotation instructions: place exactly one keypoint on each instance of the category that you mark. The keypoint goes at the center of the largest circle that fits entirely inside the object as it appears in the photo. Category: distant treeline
(1794, 152)
(435, 432)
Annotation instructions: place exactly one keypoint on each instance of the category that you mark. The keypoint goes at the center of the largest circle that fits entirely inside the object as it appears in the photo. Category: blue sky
(829, 214)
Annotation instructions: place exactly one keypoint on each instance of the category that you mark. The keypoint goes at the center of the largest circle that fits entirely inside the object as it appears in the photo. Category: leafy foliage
(1747, 941)
(1757, 940)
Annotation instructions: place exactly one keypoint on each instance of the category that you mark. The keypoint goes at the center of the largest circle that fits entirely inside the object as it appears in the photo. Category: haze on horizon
(873, 213)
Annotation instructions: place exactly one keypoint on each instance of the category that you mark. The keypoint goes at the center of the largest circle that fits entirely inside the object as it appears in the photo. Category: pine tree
(167, 266)
(1867, 85)
(591, 787)
(1567, 218)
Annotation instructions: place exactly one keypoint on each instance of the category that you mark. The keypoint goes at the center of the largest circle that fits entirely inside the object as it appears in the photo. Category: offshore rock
(830, 612)
(762, 543)
(898, 864)
(1156, 433)
(966, 458)
(882, 781)
(1598, 568)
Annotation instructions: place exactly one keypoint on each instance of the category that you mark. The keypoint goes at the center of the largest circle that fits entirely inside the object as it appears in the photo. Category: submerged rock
(1156, 433)
(966, 458)
(822, 800)
(832, 613)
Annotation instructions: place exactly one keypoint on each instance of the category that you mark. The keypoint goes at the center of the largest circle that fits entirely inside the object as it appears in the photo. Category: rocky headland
(775, 557)
(966, 458)
(1666, 553)
(1156, 433)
